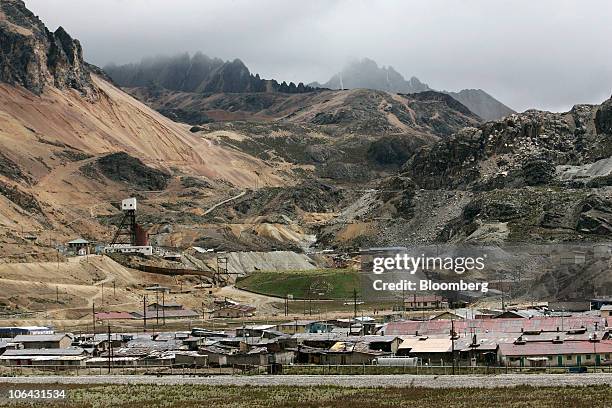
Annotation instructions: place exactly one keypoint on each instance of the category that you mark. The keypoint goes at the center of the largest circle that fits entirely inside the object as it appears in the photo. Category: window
(588, 356)
(570, 357)
(607, 356)
(550, 357)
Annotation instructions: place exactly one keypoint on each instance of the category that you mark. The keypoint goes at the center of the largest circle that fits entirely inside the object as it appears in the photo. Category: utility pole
(93, 317)
(164, 308)
(453, 343)
(109, 349)
(157, 307)
(354, 303)
(114, 289)
(56, 294)
(286, 305)
(144, 312)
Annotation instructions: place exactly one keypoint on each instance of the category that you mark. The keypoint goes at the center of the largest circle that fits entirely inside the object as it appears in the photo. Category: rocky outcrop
(595, 216)
(34, 57)
(198, 73)
(124, 168)
(603, 118)
(519, 150)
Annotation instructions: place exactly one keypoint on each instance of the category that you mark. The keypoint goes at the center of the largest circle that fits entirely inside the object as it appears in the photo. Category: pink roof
(113, 316)
(550, 348)
(518, 325)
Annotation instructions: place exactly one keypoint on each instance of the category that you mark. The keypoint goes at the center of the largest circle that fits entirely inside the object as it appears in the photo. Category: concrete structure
(79, 246)
(606, 311)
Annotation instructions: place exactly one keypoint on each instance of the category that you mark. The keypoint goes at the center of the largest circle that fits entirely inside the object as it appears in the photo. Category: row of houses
(526, 342)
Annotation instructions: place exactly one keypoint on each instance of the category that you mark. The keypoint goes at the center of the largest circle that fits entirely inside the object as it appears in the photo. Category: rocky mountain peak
(199, 74)
(34, 57)
(365, 73)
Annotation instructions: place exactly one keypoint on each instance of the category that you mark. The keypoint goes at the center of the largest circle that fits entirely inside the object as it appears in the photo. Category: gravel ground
(360, 381)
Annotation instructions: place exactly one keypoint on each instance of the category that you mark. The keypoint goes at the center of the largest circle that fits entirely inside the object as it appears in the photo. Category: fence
(288, 369)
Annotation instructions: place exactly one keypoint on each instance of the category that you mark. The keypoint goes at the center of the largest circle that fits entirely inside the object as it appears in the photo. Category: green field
(315, 284)
(120, 396)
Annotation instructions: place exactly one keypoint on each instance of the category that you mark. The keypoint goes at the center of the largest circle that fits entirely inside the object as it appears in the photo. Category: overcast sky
(546, 54)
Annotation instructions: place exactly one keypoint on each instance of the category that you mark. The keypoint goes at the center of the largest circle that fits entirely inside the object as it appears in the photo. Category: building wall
(556, 360)
(63, 343)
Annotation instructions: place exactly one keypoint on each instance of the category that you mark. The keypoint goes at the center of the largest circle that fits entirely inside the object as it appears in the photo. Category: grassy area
(325, 283)
(324, 396)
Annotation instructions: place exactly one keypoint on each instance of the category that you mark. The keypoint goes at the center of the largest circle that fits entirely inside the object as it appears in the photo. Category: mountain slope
(58, 118)
(481, 103)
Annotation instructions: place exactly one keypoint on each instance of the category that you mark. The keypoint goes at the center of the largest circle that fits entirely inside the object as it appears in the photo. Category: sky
(545, 54)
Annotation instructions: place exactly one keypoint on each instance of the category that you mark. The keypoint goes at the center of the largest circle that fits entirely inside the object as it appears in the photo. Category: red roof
(518, 325)
(550, 348)
(113, 316)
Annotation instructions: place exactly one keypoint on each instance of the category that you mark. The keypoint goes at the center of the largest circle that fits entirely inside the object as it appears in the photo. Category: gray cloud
(546, 54)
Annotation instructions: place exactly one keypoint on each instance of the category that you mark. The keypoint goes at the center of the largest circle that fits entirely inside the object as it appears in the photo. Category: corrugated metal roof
(72, 351)
(431, 346)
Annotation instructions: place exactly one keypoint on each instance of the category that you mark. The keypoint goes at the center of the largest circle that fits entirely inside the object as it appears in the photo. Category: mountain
(199, 74)
(482, 104)
(61, 121)
(366, 73)
(34, 57)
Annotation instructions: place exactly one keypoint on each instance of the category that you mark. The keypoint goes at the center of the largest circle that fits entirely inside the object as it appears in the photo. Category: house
(555, 353)
(190, 359)
(543, 324)
(79, 246)
(416, 302)
(69, 357)
(458, 314)
(340, 353)
(606, 311)
(256, 330)
(234, 311)
(570, 306)
(428, 349)
(46, 341)
(304, 326)
(519, 314)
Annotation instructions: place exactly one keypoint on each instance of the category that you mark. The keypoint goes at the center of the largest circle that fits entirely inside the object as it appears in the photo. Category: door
(579, 360)
(560, 361)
